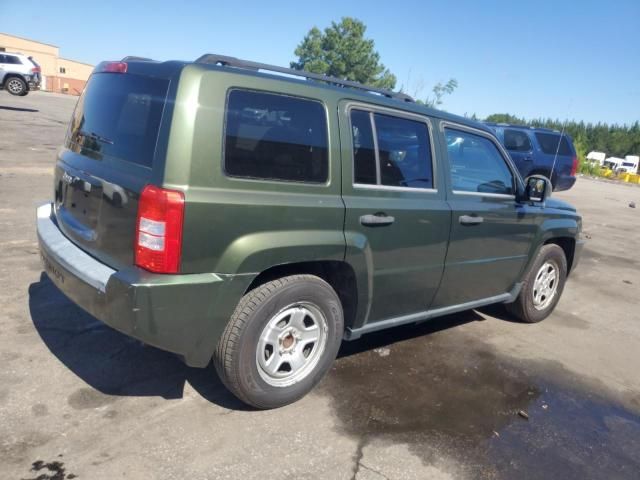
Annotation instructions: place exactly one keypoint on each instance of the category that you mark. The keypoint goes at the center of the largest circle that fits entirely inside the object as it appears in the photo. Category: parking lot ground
(472, 395)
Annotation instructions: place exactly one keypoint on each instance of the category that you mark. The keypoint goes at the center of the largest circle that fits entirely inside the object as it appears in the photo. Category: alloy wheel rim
(14, 86)
(545, 285)
(291, 344)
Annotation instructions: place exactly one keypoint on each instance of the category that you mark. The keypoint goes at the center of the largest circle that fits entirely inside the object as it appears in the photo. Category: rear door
(111, 151)
(397, 220)
(519, 146)
(491, 233)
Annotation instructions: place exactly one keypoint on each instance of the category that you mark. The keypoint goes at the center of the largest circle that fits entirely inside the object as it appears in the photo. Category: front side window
(403, 155)
(275, 137)
(516, 141)
(476, 164)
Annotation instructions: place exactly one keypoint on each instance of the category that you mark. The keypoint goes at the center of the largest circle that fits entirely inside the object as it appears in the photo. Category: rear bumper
(564, 183)
(183, 314)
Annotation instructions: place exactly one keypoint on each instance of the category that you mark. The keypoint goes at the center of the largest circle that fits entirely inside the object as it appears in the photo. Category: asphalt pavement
(472, 395)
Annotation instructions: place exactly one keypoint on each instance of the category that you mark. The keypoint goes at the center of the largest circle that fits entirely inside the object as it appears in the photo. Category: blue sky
(559, 59)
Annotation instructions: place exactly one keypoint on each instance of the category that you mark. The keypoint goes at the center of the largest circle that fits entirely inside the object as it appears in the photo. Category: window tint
(476, 164)
(12, 60)
(275, 137)
(364, 156)
(549, 144)
(516, 140)
(405, 153)
(119, 116)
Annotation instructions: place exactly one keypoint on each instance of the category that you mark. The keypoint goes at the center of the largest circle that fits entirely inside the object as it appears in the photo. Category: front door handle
(470, 220)
(377, 220)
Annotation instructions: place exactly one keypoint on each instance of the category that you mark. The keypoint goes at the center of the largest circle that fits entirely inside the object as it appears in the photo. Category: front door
(397, 221)
(491, 234)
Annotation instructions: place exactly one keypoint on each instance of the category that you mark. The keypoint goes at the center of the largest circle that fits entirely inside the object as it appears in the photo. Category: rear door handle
(470, 220)
(377, 220)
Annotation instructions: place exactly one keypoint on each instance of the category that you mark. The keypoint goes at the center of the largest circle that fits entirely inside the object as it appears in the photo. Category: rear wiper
(95, 136)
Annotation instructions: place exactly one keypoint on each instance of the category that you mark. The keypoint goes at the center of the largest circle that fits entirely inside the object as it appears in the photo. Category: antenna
(564, 125)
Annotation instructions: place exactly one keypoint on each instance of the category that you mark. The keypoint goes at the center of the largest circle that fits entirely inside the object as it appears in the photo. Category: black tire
(523, 308)
(236, 358)
(16, 86)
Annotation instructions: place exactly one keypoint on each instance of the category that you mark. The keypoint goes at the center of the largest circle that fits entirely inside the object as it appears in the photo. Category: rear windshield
(549, 144)
(118, 115)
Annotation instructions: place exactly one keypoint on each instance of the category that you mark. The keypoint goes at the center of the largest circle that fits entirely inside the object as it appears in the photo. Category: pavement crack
(362, 465)
(358, 459)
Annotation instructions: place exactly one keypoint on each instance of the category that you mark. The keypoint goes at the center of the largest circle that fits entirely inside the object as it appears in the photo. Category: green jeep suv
(223, 209)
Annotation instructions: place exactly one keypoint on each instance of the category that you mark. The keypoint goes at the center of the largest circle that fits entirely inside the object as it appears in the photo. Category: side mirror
(537, 188)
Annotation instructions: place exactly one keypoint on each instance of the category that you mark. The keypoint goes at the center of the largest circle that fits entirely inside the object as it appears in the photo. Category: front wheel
(280, 341)
(542, 286)
(16, 86)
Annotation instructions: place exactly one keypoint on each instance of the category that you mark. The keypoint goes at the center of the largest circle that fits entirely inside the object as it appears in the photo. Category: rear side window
(119, 115)
(403, 151)
(549, 144)
(13, 60)
(476, 164)
(275, 137)
(516, 140)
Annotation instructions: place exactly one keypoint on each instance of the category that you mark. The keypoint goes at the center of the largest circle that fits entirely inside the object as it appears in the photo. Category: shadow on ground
(18, 109)
(110, 361)
(116, 364)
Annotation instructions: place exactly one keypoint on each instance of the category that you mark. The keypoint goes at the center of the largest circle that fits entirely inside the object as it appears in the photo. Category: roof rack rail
(214, 59)
(133, 58)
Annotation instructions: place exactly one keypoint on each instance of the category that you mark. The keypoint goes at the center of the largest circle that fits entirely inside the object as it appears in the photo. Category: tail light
(111, 67)
(159, 230)
(574, 166)
(35, 70)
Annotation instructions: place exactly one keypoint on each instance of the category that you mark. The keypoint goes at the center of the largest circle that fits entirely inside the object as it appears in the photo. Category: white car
(18, 73)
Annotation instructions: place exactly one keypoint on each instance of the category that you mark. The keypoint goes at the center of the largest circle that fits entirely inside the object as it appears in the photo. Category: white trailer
(630, 164)
(597, 157)
(613, 163)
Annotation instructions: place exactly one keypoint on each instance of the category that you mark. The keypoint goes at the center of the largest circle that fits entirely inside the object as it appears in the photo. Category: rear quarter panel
(238, 225)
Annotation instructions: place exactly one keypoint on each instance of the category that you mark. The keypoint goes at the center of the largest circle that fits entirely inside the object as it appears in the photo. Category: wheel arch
(339, 274)
(568, 246)
(14, 75)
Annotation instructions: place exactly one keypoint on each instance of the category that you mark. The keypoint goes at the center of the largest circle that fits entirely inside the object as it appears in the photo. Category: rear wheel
(280, 341)
(542, 287)
(16, 86)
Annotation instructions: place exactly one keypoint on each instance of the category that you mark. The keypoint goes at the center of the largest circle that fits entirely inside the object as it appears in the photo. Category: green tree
(439, 90)
(343, 51)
